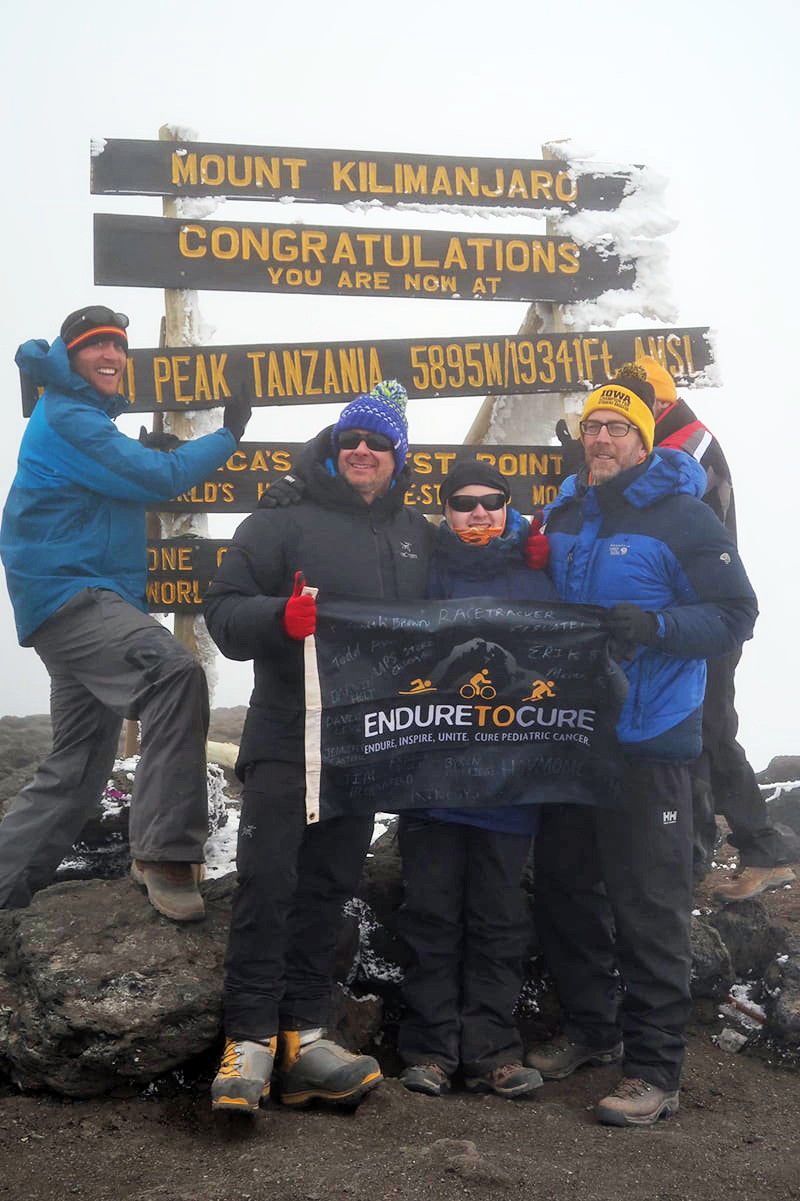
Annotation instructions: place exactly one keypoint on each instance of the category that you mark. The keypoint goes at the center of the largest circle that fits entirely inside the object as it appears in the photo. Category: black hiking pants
(294, 879)
(466, 923)
(723, 781)
(613, 892)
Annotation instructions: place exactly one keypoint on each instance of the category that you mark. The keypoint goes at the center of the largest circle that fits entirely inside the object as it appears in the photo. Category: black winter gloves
(288, 490)
(631, 626)
(158, 440)
(236, 414)
(572, 448)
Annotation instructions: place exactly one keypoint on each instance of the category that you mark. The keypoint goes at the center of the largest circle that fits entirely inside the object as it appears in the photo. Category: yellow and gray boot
(312, 1068)
(243, 1079)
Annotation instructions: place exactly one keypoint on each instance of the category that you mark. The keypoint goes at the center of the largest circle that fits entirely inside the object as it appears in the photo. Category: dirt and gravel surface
(735, 1137)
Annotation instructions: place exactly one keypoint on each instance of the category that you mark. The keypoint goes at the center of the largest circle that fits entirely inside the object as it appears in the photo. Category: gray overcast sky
(705, 93)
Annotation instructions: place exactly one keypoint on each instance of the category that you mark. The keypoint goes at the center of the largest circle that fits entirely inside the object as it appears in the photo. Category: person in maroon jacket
(723, 780)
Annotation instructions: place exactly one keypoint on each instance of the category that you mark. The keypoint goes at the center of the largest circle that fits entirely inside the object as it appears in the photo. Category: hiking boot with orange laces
(636, 1102)
(312, 1068)
(243, 1079)
(508, 1080)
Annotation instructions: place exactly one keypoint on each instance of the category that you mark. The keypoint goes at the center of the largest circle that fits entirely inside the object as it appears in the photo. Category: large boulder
(97, 990)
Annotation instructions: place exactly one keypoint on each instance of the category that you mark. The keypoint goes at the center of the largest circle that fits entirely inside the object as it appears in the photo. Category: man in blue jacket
(614, 887)
(74, 550)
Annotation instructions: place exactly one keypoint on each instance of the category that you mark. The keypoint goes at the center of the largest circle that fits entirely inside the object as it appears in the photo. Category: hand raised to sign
(537, 546)
(237, 413)
(158, 439)
(300, 613)
(288, 490)
(572, 448)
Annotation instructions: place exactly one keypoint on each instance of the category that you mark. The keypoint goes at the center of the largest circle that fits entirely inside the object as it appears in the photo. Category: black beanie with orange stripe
(94, 323)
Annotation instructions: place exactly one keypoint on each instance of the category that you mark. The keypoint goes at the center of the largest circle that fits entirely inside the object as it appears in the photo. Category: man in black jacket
(349, 535)
(722, 778)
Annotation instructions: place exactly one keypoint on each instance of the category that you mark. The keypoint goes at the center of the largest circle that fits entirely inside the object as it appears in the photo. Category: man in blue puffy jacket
(614, 888)
(74, 550)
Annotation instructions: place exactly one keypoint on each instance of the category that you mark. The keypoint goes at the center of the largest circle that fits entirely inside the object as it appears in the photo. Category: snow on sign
(175, 378)
(335, 261)
(534, 474)
(157, 168)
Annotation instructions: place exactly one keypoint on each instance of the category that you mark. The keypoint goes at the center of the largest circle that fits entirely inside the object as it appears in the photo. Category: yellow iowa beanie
(659, 377)
(625, 402)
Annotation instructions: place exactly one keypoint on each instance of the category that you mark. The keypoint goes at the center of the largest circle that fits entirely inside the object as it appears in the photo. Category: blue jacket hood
(49, 366)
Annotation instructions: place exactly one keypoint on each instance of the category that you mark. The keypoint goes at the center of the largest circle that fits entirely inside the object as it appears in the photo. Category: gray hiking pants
(107, 660)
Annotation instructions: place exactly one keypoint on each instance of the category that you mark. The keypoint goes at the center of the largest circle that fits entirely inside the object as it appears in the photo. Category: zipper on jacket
(381, 584)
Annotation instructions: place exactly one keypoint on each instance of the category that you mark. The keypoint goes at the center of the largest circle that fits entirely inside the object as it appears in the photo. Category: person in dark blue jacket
(73, 546)
(614, 887)
(464, 918)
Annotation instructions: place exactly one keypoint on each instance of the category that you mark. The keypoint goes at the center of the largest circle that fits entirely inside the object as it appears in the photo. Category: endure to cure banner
(203, 377)
(334, 261)
(459, 704)
(149, 168)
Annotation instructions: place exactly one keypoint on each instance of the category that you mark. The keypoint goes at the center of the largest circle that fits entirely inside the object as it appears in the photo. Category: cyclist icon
(478, 685)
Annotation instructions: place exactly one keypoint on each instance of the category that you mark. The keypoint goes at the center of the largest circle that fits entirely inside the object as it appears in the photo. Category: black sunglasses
(350, 439)
(490, 501)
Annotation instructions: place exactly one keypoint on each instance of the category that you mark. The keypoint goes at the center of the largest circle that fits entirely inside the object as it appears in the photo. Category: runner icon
(541, 689)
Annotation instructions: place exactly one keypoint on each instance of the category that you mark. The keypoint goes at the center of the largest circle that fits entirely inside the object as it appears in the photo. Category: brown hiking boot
(171, 888)
(508, 1080)
(748, 882)
(428, 1078)
(560, 1057)
(635, 1102)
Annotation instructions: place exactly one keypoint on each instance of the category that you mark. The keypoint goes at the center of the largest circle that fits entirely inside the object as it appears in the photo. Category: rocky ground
(734, 1137)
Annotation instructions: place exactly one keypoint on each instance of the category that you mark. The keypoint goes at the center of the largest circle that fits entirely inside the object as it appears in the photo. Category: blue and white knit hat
(383, 411)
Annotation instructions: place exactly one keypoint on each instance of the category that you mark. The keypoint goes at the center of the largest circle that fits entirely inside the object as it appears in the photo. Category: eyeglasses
(350, 439)
(617, 429)
(491, 501)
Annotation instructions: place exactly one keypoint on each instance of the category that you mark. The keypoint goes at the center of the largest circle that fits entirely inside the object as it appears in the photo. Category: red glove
(537, 548)
(300, 614)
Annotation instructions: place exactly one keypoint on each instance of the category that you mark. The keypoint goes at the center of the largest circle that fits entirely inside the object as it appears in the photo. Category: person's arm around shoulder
(245, 603)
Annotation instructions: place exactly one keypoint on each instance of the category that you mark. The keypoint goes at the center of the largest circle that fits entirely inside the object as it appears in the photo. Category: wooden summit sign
(161, 168)
(188, 377)
(336, 261)
(533, 472)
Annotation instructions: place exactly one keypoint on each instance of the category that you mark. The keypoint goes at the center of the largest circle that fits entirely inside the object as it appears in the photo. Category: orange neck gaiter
(480, 537)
